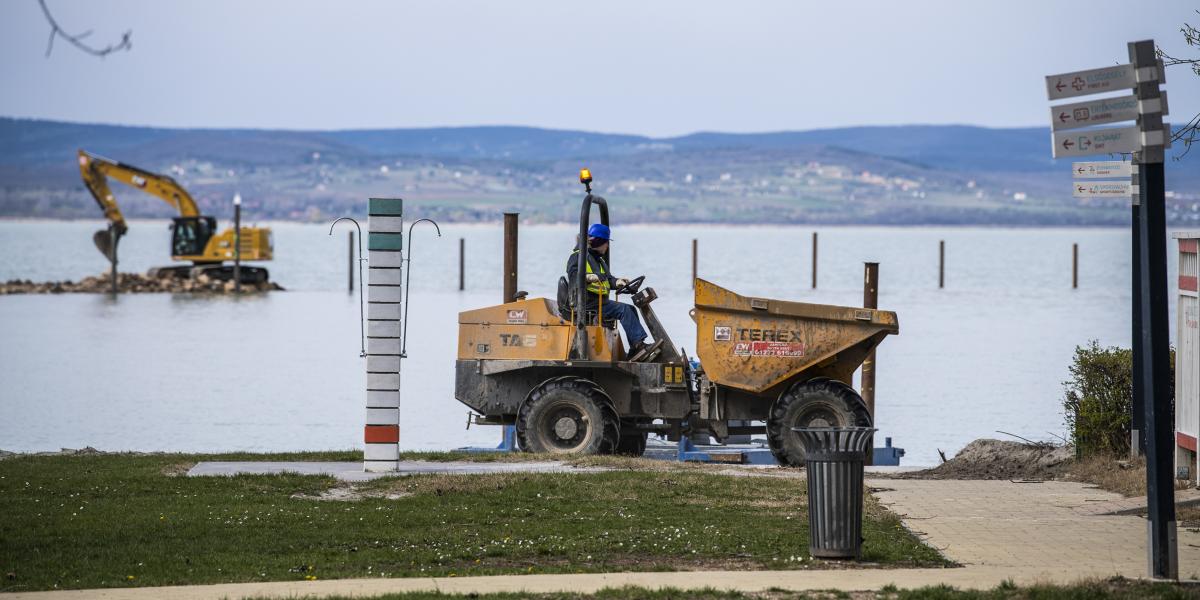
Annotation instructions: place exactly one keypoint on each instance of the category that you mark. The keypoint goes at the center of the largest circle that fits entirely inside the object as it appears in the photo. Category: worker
(600, 281)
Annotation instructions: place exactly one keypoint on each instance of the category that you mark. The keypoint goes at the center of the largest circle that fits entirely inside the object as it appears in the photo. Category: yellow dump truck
(564, 380)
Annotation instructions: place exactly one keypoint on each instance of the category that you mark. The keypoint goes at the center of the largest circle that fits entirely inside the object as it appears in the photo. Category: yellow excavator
(194, 237)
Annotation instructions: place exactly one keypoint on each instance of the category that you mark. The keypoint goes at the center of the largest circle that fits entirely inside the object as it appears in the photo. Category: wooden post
(694, 263)
(814, 261)
(941, 264)
(462, 252)
(510, 256)
(870, 300)
(1074, 266)
(114, 238)
(350, 262)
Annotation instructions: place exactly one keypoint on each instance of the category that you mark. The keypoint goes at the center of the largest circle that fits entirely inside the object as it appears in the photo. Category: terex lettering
(768, 335)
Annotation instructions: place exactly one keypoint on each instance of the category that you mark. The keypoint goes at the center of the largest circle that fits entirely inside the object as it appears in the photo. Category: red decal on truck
(777, 349)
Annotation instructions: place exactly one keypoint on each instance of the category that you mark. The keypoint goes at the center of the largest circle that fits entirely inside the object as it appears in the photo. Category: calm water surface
(282, 371)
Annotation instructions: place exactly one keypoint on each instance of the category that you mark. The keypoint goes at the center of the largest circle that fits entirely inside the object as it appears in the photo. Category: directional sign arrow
(1113, 140)
(1101, 169)
(1103, 111)
(1105, 189)
(1092, 81)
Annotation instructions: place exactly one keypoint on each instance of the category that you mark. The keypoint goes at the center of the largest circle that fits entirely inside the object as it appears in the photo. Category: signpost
(1103, 189)
(1112, 140)
(1099, 112)
(1098, 81)
(1146, 140)
(1106, 169)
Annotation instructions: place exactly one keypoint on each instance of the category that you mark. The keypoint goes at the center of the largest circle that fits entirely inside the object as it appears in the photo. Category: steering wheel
(632, 287)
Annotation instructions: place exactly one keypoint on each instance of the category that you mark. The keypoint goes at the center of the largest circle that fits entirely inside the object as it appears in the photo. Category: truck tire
(818, 402)
(568, 415)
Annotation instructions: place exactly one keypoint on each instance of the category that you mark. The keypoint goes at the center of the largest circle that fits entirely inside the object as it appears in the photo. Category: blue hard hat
(599, 231)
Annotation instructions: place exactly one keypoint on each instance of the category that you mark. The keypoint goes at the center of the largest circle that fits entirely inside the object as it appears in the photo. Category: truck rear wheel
(819, 402)
(568, 415)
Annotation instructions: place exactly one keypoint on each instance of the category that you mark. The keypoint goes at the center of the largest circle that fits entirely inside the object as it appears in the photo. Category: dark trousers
(628, 316)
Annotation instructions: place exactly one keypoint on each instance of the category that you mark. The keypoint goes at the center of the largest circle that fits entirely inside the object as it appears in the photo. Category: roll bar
(585, 215)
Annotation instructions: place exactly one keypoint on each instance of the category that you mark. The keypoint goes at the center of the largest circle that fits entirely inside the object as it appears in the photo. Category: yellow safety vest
(600, 287)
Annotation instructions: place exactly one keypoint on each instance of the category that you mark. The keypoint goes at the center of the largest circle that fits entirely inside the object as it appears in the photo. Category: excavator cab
(190, 235)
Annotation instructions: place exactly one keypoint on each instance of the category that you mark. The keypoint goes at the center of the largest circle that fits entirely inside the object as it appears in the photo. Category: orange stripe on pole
(1187, 282)
(381, 434)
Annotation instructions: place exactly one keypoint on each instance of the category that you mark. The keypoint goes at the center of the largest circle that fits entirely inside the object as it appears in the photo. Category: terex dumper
(564, 380)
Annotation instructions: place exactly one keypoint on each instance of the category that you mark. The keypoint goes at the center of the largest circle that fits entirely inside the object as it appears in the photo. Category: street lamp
(237, 243)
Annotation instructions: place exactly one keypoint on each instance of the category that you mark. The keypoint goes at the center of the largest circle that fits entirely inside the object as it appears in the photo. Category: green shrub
(1099, 399)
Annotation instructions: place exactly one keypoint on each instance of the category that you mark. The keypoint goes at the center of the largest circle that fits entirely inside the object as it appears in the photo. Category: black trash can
(834, 459)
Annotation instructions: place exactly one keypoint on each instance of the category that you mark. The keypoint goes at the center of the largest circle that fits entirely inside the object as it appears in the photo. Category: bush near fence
(1099, 399)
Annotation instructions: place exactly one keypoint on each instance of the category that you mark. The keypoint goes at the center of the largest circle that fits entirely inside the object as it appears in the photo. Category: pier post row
(385, 240)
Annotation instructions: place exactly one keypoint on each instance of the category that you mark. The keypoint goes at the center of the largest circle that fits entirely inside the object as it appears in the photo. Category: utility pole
(237, 243)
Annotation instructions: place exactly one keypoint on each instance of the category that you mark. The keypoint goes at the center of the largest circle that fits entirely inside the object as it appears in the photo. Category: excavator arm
(97, 170)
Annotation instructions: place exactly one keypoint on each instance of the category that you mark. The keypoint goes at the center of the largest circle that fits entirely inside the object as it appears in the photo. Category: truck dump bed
(755, 344)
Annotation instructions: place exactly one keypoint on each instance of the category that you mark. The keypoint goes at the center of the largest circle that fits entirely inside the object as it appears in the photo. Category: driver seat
(566, 305)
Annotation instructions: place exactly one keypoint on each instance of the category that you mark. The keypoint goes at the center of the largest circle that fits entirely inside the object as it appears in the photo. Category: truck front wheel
(568, 415)
(819, 402)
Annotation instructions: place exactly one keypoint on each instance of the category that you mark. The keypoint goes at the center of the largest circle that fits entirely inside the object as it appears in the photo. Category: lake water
(281, 371)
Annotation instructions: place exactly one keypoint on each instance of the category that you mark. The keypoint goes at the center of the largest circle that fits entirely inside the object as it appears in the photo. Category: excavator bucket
(106, 242)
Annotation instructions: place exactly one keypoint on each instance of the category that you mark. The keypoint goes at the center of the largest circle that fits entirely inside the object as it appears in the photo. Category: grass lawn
(129, 520)
(1113, 589)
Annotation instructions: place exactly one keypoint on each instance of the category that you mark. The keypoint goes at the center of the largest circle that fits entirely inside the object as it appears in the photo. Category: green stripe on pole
(386, 207)
(384, 241)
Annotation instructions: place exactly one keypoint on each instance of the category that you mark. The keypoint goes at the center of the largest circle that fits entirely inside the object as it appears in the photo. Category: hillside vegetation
(862, 175)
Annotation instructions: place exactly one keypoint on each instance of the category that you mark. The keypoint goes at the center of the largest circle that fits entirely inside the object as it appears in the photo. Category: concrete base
(353, 471)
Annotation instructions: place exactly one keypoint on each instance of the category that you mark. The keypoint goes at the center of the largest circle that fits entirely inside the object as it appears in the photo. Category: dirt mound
(132, 283)
(996, 459)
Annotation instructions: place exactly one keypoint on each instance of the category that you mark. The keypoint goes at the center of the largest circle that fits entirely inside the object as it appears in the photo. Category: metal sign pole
(1154, 334)
(1137, 442)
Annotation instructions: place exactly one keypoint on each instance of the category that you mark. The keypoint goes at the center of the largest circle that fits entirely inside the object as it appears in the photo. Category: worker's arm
(572, 267)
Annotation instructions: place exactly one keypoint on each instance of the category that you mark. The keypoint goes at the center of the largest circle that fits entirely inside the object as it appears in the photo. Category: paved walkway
(353, 471)
(999, 530)
(1027, 528)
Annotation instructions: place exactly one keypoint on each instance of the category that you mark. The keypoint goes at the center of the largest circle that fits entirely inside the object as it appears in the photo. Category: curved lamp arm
(407, 275)
(361, 320)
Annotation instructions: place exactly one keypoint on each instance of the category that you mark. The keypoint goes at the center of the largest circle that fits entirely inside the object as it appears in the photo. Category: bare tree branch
(76, 40)
(1187, 133)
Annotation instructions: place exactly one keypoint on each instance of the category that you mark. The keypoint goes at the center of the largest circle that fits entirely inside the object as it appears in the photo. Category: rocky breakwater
(133, 283)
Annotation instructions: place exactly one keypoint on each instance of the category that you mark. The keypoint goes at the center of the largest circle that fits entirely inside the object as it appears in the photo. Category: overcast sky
(656, 68)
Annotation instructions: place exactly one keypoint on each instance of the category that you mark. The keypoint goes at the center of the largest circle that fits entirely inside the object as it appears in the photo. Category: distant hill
(901, 174)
